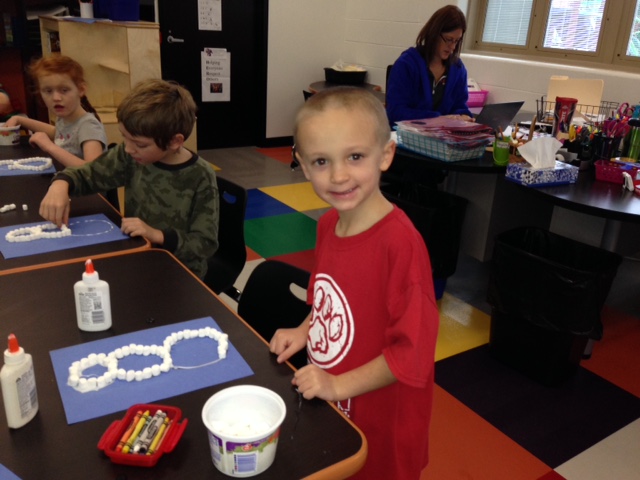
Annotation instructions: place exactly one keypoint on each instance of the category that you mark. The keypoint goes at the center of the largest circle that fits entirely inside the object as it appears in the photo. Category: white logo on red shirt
(331, 330)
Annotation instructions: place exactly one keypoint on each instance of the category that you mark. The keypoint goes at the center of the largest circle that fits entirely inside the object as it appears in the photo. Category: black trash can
(438, 216)
(546, 293)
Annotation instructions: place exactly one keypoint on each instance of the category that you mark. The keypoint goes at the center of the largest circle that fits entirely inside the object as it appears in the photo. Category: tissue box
(561, 174)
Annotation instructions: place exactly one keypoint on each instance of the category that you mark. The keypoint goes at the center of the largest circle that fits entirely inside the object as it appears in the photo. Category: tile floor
(489, 421)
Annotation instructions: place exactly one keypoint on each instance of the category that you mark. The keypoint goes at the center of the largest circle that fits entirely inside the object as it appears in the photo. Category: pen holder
(604, 148)
(115, 432)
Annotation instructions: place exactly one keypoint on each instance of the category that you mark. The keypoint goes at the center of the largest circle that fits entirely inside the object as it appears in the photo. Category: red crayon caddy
(115, 431)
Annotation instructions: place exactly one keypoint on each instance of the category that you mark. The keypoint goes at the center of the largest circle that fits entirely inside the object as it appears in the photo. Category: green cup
(501, 152)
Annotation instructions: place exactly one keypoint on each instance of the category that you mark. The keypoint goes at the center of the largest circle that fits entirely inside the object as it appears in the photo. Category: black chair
(268, 303)
(227, 263)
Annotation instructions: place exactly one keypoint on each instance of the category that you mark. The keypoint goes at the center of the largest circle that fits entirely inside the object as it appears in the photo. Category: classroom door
(242, 120)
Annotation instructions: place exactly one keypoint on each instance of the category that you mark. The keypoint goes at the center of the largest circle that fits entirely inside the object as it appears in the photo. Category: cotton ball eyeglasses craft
(85, 384)
(28, 234)
(22, 164)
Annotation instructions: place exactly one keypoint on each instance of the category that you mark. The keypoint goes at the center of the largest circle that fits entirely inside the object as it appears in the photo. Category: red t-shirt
(372, 293)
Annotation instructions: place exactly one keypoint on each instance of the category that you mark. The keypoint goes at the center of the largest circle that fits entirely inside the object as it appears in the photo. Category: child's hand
(12, 122)
(41, 140)
(287, 341)
(312, 381)
(134, 227)
(55, 205)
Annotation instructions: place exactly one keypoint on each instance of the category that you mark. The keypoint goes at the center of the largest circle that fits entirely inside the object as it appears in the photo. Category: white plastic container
(93, 302)
(18, 381)
(243, 424)
(9, 136)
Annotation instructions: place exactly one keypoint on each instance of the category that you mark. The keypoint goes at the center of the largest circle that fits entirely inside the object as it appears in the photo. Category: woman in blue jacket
(430, 80)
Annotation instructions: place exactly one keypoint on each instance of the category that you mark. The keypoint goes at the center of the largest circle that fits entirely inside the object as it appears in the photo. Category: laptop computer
(498, 115)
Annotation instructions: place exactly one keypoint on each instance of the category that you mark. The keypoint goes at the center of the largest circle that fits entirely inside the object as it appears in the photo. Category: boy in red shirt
(372, 330)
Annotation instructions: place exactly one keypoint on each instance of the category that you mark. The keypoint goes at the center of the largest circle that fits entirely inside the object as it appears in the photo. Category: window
(633, 48)
(507, 22)
(574, 25)
(602, 31)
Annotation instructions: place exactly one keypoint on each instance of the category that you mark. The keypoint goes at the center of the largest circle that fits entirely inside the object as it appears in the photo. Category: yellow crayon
(129, 431)
(158, 437)
(134, 435)
(164, 435)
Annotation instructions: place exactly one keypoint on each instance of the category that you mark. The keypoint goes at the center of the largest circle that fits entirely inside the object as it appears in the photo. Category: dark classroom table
(151, 289)
(29, 190)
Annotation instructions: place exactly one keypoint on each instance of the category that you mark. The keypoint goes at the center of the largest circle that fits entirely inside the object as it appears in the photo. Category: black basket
(344, 77)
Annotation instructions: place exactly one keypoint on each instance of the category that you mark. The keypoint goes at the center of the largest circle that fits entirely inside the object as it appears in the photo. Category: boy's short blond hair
(158, 109)
(348, 98)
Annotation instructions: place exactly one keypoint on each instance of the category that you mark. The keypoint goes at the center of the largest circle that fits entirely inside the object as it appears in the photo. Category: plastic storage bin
(477, 98)
(115, 431)
(607, 171)
(547, 292)
(438, 216)
(117, 10)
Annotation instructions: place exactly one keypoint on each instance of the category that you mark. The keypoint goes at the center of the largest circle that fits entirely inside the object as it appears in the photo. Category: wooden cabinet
(115, 57)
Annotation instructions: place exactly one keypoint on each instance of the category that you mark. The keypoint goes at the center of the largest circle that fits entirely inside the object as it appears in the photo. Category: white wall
(304, 37)
(511, 79)
(307, 35)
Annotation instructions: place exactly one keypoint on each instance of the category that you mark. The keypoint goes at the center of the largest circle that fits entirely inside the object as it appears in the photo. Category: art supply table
(152, 289)
(29, 190)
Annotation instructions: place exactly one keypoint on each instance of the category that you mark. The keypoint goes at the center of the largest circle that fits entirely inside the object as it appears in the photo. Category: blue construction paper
(88, 230)
(5, 172)
(120, 395)
(6, 474)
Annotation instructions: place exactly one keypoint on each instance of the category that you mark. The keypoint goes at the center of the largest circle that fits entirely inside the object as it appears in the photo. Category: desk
(316, 87)
(489, 210)
(29, 190)
(151, 286)
(597, 198)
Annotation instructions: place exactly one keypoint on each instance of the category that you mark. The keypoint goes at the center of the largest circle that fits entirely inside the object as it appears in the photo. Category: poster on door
(210, 15)
(216, 75)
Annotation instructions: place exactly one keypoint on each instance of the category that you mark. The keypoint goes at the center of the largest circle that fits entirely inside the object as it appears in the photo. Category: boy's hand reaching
(134, 227)
(312, 381)
(287, 341)
(55, 205)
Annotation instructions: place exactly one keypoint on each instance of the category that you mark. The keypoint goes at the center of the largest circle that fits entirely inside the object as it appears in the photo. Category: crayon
(156, 439)
(136, 432)
(145, 438)
(127, 433)
(162, 437)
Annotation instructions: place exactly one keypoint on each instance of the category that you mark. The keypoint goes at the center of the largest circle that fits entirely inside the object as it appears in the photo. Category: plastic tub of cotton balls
(9, 136)
(243, 424)
(163, 439)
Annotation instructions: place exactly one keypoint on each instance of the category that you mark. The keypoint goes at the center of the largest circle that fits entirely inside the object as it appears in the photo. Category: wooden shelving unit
(115, 57)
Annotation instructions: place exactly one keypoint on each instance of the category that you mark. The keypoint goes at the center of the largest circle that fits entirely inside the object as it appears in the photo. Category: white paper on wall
(216, 75)
(210, 14)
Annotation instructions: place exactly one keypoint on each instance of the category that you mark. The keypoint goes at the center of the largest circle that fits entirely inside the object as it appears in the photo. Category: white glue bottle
(18, 385)
(93, 303)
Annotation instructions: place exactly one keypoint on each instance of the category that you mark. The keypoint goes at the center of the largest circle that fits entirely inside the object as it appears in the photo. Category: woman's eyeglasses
(450, 41)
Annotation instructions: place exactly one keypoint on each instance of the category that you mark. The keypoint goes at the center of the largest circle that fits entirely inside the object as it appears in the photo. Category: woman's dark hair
(447, 19)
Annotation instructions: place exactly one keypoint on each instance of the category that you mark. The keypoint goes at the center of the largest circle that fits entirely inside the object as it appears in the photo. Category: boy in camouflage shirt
(171, 195)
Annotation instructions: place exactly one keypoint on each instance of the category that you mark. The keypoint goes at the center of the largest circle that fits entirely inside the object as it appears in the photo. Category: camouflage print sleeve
(107, 171)
(197, 240)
